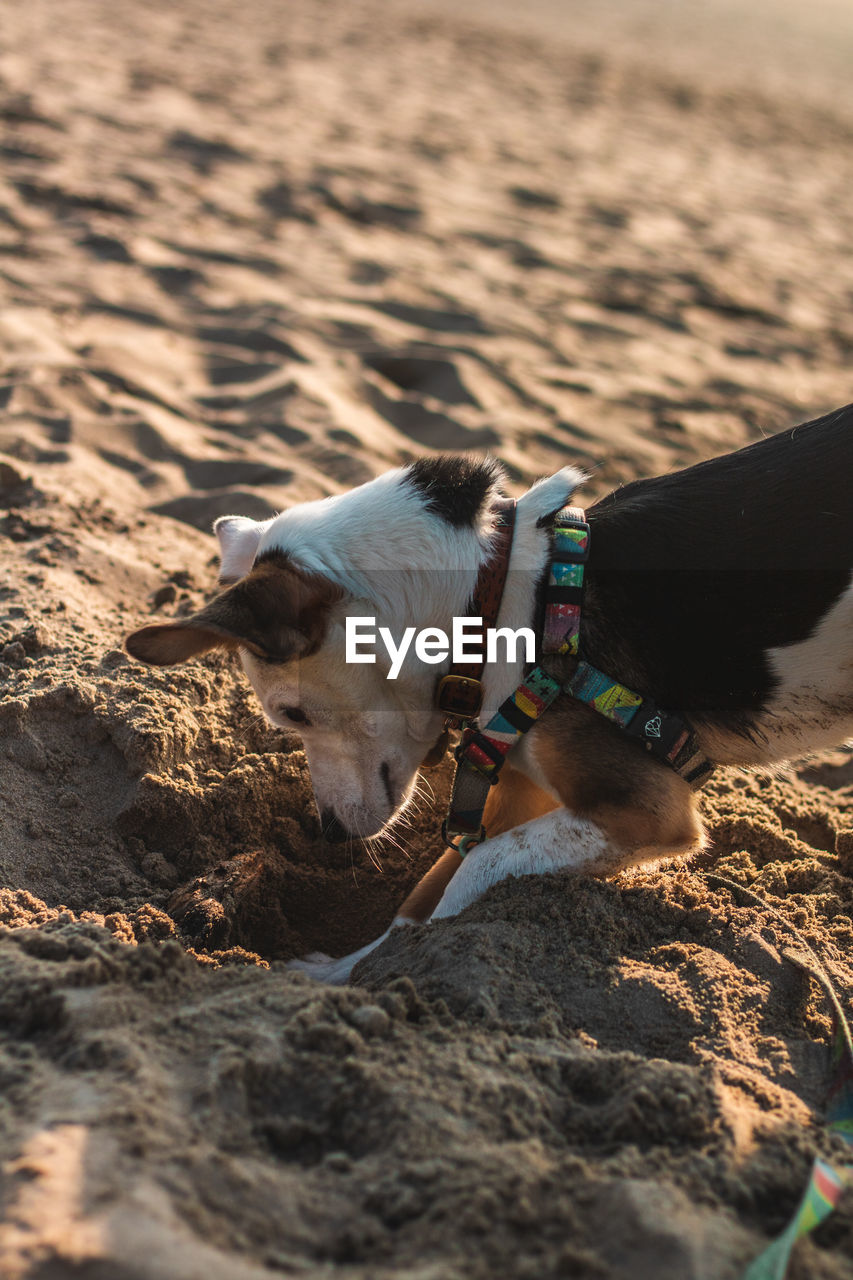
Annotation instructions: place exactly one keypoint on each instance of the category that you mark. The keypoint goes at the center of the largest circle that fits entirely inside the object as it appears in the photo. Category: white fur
(336, 972)
(530, 546)
(382, 526)
(812, 705)
(238, 539)
(554, 842)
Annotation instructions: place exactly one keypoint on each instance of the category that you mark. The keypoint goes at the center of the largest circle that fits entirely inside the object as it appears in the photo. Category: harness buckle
(459, 696)
(462, 842)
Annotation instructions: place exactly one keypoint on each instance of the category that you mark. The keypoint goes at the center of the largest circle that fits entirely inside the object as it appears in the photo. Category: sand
(254, 255)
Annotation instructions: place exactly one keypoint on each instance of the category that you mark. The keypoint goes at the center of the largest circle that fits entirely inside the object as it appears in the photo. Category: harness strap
(564, 588)
(667, 737)
(481, 753)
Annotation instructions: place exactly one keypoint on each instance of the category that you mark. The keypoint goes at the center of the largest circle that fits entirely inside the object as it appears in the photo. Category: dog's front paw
(324, 969)
(336, 972)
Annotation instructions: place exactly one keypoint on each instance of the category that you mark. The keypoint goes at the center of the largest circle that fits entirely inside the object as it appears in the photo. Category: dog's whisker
(375, 860)
(242, 734)
(416, 810)
(423, 787)
(257, 721)
(371, 843)
(398, 845)
(419, 798)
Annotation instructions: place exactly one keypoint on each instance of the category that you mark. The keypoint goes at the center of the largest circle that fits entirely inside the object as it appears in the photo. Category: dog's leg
(513, 801)
(422, 901)
(336, 972)
(553, 842)
(656, 817)
(562, 840)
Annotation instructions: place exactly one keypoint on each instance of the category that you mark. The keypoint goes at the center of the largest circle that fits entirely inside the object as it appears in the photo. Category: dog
(722, 594)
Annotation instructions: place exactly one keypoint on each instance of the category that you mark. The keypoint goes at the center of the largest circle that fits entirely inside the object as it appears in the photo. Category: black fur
(694, 575)
(455, 488)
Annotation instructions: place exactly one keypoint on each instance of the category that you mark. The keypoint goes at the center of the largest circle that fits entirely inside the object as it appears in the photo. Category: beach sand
(252, 255)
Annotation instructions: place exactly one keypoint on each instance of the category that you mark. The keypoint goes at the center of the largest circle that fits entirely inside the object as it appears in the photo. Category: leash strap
(481, 752)
(827, 1181)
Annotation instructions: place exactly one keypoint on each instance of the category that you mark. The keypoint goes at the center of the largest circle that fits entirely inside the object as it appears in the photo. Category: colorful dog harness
(481, 752)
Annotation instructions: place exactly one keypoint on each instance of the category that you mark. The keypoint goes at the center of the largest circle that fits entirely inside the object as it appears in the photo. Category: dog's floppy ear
(239, 539)
(277, 612)
(550, 495)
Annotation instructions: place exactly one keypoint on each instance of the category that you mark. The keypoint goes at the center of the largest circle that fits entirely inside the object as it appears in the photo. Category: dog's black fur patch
(694, 576)
(454, 488)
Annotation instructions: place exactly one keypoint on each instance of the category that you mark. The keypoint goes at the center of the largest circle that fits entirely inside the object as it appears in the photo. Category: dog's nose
(333, 831)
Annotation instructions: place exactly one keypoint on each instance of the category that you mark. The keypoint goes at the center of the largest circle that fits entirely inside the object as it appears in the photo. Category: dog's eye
(294, 714)
(269, 658)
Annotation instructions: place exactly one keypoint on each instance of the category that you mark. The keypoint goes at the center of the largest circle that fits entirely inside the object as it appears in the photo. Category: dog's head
(404, 550)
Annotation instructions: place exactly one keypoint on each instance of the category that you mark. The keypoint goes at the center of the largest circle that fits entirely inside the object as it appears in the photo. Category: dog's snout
(333, 831)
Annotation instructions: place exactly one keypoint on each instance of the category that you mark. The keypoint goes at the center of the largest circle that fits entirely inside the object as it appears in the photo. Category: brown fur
(645, 807)
(277, 612)
(515, 799)
(426, 895)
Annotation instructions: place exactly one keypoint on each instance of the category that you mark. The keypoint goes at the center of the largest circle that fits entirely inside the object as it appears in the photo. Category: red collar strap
(460, 692)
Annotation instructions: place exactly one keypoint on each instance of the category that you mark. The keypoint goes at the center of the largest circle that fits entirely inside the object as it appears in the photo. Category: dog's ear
(278, 612)
(239, 539)
(550, 495)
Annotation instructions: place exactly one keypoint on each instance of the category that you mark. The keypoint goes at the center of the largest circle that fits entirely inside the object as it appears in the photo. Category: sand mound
(251, 259)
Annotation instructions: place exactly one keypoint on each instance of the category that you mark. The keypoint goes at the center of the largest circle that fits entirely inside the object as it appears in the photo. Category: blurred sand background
(780, 46)
(255, 254)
